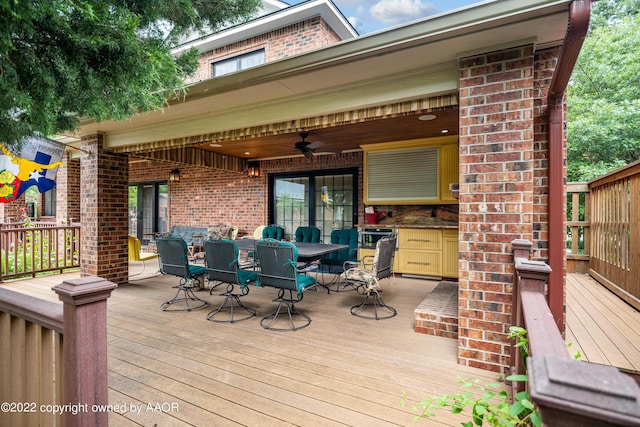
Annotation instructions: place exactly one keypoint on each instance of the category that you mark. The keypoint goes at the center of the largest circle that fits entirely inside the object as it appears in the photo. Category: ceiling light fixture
(427, 117)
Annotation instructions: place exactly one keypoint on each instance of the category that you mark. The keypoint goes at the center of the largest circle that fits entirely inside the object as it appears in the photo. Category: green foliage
(61, 60)
(604, 93)
(484, 403)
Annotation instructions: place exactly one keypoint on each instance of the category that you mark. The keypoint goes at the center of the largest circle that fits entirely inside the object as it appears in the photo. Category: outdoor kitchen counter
(425, 248)
(440, 225)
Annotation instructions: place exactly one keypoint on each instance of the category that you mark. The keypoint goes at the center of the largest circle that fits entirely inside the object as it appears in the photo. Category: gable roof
(272, 18)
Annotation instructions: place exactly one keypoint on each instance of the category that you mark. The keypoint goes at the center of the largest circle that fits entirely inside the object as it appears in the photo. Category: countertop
(424, 223)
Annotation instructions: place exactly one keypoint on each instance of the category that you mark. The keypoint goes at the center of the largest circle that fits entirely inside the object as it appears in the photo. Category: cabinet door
(412, 238)
(425, 263)
(450, 254)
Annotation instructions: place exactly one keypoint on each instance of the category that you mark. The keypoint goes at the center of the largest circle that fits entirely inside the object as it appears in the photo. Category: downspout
(579, 15)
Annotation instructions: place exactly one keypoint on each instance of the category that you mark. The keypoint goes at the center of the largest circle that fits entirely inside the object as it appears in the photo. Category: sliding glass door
(147, 209)
(325, 199)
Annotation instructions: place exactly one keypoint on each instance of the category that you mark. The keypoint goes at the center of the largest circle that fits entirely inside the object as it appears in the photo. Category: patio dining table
(307, 251)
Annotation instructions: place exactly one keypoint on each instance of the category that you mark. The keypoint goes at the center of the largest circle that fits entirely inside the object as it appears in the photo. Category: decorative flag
(36, 165)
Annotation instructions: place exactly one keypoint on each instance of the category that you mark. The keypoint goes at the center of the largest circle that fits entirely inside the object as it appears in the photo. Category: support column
(68, 190)
(496, 197)
(104, 211)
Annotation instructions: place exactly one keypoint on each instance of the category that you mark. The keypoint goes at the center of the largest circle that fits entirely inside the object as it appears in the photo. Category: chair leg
(189, 300)
(268, 322)
(376, 303)
(231, 301)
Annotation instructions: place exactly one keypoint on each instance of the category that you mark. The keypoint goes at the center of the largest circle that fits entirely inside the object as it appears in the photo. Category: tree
(61, 60)
(604, 93)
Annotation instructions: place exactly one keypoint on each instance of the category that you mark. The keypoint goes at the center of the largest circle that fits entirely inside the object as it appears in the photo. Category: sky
(368, 16)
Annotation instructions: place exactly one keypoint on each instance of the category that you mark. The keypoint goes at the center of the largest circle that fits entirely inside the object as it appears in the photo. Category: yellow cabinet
(422, 239)
(450, 253)
(428, 252)
(420, 251)
(424, 263)
(412, 172)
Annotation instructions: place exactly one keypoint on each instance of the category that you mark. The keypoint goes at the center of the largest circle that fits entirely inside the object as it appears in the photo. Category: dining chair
(333, 264)
(273, 232)
(366, 274)
(135, 254)
(308, 233)
(174, 261)
(278, 269)
(221, 263)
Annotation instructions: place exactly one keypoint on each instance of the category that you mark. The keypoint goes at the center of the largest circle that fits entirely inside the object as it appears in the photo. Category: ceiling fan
(307, 148)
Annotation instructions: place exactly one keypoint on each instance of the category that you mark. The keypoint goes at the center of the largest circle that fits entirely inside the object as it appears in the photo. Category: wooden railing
(578, 227)
(614, 255)
(53, 358)
(27, 250)
(567, 392)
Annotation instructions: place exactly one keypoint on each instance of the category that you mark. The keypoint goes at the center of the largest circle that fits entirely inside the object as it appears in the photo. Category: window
(49, 202)
(326, 199)
(238, 63)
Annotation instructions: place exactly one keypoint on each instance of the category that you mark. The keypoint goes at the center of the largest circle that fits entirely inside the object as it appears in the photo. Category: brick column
(68, 190)
(103, 211)
(496, 196)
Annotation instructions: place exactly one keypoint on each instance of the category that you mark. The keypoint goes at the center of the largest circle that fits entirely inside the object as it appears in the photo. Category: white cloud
(355, 22)
(399, 11)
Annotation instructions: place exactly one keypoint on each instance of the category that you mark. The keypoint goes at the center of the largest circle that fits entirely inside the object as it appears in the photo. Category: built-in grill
(369, 236)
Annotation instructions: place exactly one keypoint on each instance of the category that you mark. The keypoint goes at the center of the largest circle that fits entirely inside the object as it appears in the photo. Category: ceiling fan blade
(315, 144)
(308, 154)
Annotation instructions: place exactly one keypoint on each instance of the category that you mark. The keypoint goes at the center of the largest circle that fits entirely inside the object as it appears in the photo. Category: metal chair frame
(172, 252)
(278, 269)
(366, 276)
(221, 263)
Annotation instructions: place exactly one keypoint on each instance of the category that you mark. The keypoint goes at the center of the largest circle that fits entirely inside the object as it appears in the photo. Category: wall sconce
(254, 170)
(174, 175)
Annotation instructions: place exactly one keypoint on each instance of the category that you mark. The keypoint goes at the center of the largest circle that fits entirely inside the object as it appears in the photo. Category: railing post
(529, 276)
(582, 394)
(84, 368)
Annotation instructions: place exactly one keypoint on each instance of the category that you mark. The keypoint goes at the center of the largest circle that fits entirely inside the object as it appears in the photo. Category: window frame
(238, 60)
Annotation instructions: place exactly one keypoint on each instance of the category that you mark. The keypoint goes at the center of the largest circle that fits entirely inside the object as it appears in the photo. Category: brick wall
(281, 43)
(206, 197)
(10, 212)
(68, 190)
(496, 196)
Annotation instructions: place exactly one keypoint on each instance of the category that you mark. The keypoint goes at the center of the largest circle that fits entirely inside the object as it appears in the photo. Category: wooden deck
(341, 370)
(600, 326)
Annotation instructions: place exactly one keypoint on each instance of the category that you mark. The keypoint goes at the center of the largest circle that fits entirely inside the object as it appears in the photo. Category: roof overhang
(414, 61)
